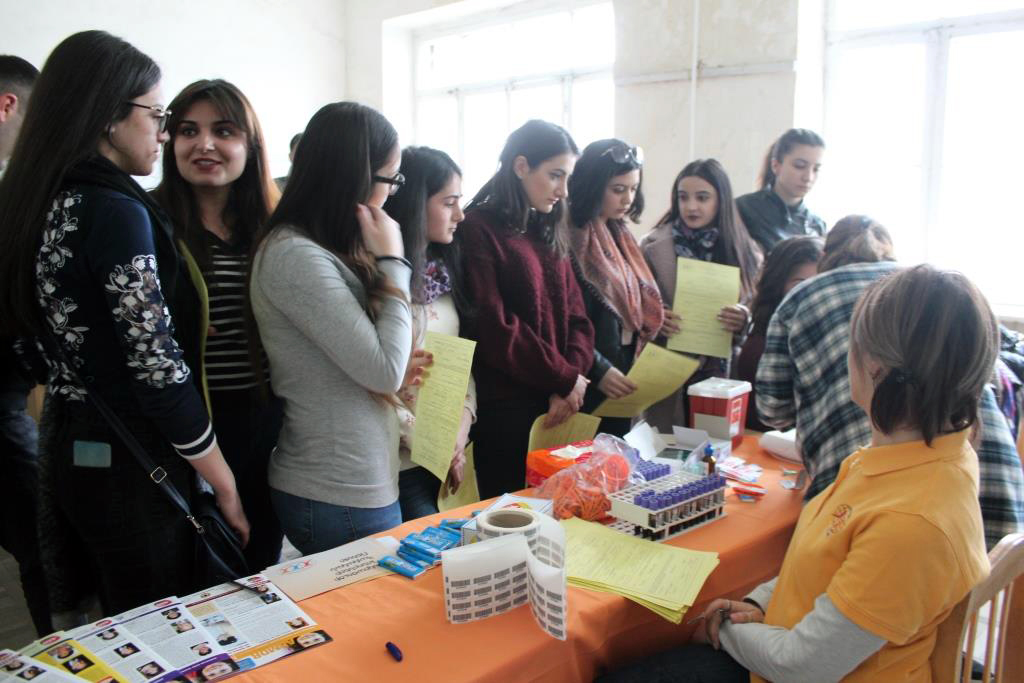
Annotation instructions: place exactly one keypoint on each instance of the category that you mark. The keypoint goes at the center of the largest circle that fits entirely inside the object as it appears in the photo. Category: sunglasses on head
(623, 154)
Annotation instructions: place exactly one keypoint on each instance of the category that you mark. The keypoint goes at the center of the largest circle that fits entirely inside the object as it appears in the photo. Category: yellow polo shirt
(896, 542)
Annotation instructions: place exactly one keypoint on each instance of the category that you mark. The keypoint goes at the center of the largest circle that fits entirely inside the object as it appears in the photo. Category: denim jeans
(417, 492)
(313, 526)
(690, 663)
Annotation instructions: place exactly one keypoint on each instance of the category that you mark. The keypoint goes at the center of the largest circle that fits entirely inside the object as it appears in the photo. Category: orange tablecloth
(603, 630)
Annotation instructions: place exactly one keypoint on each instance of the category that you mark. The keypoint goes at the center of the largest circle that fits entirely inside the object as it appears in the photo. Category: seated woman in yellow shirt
(879, 558)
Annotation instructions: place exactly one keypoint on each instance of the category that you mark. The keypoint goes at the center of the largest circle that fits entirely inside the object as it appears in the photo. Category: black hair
(343, 145)
(426, 172)
(590, 178)
(778, 266)
(536, 141)
(16, 75)
(252, 195)
(734, 246)
(85, 87)
(294, 142)
(783, 146)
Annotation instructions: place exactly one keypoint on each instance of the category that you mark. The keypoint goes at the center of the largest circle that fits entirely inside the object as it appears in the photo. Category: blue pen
(393, 649)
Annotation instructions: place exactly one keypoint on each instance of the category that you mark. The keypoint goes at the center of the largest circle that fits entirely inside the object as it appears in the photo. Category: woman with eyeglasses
(702, 223)
(90, 265)
(330, 294)
(619, 291)
(428, 210)
(534, 340)
(218, 190)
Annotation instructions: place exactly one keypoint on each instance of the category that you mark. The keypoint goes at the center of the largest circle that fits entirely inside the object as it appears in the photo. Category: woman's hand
(414, 371)
(671, 325)
(231, 507)
(454, 479)
(738, 612)
(616, 385)
(381, 234)
(561, 409)
(734, 318)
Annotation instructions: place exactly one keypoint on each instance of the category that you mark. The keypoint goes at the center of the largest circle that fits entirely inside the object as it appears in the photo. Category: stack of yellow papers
(662, 578)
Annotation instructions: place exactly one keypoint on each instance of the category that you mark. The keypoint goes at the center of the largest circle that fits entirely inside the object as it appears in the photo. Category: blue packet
(419, 554)
(409, 557)
(424, 548)
(455, 523)
(400, 566)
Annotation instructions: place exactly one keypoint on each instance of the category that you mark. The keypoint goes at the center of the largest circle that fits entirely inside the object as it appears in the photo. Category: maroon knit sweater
(532, 331)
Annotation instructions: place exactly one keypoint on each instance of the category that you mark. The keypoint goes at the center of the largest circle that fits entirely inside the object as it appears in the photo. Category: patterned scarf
(436, 281)
(609, 259)
(698, 244)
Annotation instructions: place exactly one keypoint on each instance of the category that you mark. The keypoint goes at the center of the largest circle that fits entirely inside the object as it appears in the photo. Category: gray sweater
(339, 444)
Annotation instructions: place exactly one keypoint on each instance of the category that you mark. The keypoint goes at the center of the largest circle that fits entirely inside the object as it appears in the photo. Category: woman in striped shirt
(218, 190)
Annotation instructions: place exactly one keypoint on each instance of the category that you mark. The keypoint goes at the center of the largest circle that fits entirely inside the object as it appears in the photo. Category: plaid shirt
(802, 380)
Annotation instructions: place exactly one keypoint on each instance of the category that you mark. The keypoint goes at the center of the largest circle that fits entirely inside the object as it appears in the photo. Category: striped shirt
(227, 348)
(802, 380)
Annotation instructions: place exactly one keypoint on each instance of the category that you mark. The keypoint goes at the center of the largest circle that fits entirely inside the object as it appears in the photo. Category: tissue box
(470, 534)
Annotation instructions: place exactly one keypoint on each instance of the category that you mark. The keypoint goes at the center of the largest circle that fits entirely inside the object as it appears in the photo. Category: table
(603, 630)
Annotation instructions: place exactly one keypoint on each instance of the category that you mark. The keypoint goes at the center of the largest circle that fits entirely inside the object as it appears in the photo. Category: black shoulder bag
(219, 554)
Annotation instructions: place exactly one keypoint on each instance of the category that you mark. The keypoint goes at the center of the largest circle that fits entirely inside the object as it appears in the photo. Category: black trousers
(687, 664)
(19, 502)
(115, 523)
(500, 437)
(247, 426)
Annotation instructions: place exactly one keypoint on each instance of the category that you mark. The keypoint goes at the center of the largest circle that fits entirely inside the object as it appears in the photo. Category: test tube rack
(668, 506)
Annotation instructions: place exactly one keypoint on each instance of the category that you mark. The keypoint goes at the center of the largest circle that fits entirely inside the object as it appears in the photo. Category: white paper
(496, 575)
(645, 440)
(311, 575)
(124, 652)
(256, 625)
(18, 667)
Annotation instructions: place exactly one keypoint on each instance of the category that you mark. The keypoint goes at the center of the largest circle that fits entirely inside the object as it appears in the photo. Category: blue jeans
(417, 492)
(313, 526)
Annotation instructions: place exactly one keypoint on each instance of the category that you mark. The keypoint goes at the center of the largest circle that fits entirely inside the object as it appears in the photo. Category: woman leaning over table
(619, 291)
(701, 224)
(330, 293)
(881, 557)
(217, 189)
(89, 264)
(534, 340)
(428, 210)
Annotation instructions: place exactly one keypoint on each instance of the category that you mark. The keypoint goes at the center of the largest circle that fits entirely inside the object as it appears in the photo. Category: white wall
(287, 56)
(745, 93)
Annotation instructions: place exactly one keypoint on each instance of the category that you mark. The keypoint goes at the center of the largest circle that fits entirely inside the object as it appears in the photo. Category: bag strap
(156, 473)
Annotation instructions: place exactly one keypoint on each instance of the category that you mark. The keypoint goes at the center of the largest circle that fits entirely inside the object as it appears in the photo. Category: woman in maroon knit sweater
(535, 343)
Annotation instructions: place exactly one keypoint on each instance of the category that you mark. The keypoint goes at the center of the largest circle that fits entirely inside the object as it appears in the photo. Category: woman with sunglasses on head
(329, 289)
(534, 340)
(428, 210)
(619, 291)
(788, 173)
(90, 265)
(218, 190)
(701, 224)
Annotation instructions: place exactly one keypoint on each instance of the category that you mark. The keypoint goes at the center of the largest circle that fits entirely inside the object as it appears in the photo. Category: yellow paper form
(440, 402)
(663, 578)
(657, 373)
(467, 493)
(702, 290)
(579, 427)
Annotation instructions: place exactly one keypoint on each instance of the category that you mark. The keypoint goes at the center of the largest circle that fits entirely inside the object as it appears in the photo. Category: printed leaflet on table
(15, 668)
(353, 562)
(256, 625)
(64, 652)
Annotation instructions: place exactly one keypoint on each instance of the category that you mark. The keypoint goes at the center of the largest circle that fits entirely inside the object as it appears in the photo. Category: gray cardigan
(339, 443)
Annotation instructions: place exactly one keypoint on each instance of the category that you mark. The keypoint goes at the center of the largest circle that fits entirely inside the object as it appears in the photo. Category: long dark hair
(83, 89)
(341, 148)
(856, 239)
(783, 146)
(252, 196)
(590, 179)
(536, 141)
(426, 172)
(784, 257)
(734, 246)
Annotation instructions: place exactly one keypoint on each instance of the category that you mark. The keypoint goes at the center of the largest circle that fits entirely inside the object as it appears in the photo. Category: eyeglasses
(622, 154)
(161, 114)
(395, 181)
